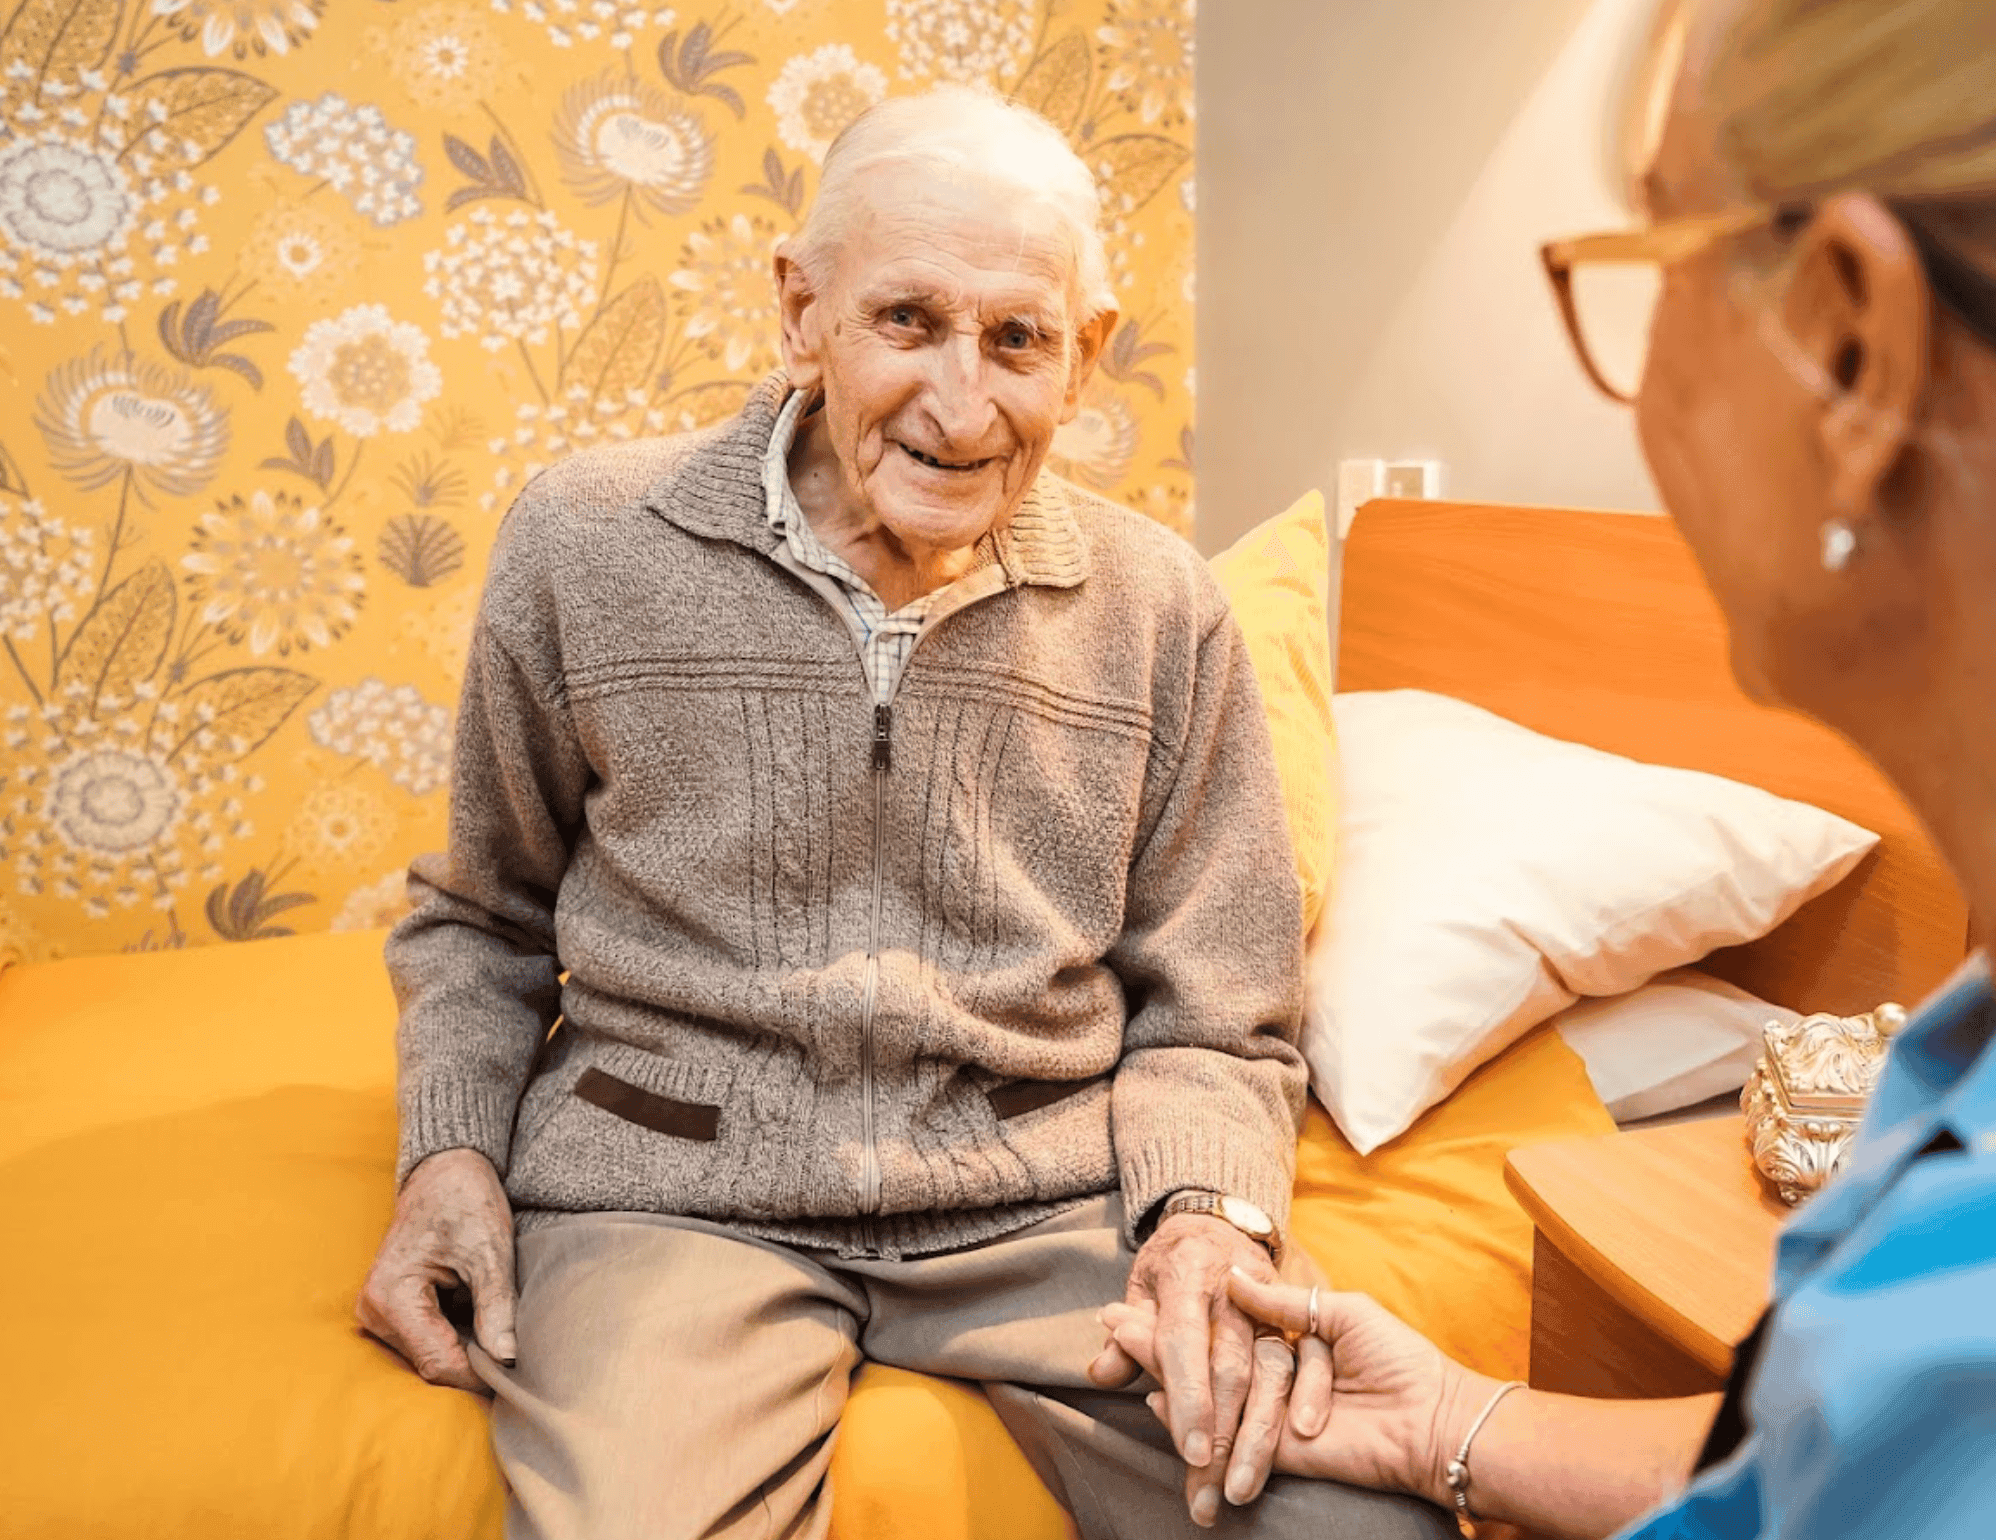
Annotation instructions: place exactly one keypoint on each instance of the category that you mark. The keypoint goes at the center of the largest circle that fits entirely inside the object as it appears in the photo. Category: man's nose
(960, 399)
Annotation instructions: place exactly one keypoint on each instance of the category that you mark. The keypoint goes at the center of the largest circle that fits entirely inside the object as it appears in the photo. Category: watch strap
(1192, 1200)
(1199, 1200)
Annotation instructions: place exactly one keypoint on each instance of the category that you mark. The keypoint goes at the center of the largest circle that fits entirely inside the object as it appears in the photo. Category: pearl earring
(1839, 545)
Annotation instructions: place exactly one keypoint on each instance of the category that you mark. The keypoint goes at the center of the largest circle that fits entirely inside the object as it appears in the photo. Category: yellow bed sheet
(195, 1158)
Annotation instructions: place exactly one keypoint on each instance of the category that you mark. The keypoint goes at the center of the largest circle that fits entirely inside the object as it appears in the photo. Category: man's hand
(452, 1224)
(1215, 1373)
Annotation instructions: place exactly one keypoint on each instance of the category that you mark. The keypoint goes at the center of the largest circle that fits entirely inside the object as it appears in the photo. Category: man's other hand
(452, 1225)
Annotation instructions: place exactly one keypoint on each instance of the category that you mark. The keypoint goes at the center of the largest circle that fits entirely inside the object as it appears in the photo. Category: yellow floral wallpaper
(294, 295)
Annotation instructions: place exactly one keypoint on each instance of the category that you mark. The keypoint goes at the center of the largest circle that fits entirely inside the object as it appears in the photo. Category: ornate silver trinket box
(1805, 1096)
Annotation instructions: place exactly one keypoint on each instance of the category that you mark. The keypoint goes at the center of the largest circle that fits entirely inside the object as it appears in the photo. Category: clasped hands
(1226, 1387)
(1364, 1399)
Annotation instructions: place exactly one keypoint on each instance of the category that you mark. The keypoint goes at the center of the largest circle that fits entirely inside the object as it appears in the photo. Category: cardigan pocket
(1015, 1098)
(618, 1127)
(647, 1109)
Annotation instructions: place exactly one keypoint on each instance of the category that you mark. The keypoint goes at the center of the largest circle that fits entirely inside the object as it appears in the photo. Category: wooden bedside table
(1651, 1258)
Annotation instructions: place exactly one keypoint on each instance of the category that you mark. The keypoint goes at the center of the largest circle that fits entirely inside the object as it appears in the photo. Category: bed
(196, 1148)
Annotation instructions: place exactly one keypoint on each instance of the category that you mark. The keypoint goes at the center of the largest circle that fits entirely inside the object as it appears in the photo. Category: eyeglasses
(1607, 287)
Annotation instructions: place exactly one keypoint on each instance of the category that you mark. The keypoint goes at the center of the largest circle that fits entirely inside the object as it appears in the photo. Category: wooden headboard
(1597, 627)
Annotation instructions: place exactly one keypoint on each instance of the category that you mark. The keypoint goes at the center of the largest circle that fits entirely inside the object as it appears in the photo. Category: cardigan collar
(716, 491)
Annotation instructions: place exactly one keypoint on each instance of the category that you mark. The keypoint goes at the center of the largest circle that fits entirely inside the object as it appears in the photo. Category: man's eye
(1016, 337)
(903, 315)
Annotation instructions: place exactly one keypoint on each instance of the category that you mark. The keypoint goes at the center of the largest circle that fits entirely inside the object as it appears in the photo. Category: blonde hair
(1897, 97)
(965, 131)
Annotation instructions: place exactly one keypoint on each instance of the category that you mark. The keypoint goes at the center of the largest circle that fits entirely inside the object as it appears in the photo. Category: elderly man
(893, 831)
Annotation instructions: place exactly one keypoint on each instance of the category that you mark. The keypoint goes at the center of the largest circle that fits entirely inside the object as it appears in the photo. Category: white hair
(959, 129)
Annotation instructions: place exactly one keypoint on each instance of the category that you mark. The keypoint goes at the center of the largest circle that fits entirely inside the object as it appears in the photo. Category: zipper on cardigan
(881, 758)
(869, 1170)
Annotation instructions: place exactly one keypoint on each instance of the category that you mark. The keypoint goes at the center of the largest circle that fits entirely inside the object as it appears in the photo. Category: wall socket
(1360, 481)
(1413, 478)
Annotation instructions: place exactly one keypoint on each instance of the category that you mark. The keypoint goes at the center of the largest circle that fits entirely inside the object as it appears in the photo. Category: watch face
(1243, 1215)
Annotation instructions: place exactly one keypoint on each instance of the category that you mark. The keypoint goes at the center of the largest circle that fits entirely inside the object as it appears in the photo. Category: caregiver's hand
(1393, 1410)
(452, 1223)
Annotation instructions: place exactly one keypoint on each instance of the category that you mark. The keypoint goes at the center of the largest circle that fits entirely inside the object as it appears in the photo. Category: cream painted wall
(1375, 177)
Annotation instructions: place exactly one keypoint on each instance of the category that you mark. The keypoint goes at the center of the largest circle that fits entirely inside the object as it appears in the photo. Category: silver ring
(1313, 1309)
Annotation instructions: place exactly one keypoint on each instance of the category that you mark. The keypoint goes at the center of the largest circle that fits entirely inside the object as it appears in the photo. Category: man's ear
(803, 335)
(1859, 307)
(1088, 346)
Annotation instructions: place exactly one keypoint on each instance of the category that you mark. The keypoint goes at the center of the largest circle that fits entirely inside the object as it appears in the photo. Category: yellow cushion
(196, 1154)
(195, 1366)
(98, 1041)
(1278, 578)
(1425, 1224)
(198, 1149)
(927, 1459)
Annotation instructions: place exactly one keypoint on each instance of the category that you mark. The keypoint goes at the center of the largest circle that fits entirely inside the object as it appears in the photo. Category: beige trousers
(676, 1379)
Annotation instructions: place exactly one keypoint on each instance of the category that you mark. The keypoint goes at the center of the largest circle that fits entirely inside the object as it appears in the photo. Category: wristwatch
(1238, 1212)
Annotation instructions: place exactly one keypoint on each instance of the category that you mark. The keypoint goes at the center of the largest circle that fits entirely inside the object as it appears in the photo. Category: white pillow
(1679, 1040)
(1488, 875)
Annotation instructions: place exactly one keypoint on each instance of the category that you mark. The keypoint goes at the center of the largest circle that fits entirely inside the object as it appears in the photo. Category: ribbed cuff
(1211, 1157)
(444, 1114)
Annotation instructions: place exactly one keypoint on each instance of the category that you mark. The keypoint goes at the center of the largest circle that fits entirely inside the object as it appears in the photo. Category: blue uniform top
(1872, 1410)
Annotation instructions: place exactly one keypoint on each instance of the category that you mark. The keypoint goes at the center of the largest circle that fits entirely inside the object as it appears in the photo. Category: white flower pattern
(392, 728)
(79, 211)
(367, 371)
(242, 27)
(296, 251)
(61, 200)
(352, 148)
(47, 568)
(112, 801)
(569, 22)
(964, 40)
(817, 94)
(1149, 45)
(447, 54)
(275, 573)
(110, 415)
(1098, 446)
(510, 278)
(616, 132)
(726, 264)
(340, 824)
(375, 905)
(94, 812)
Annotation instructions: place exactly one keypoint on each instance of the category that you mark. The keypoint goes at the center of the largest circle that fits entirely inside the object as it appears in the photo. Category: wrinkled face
(947, 346)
